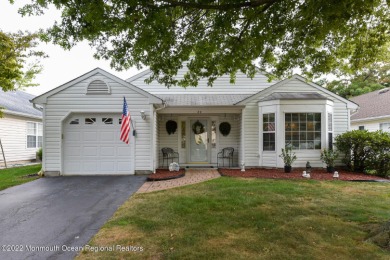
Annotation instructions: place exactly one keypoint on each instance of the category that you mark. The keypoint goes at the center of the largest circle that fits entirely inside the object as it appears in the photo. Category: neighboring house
(82, 122)
(374, 111)
(20, 127)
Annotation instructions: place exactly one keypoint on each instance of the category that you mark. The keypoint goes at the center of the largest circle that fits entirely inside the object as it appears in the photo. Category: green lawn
(230, 218)
(15, 176)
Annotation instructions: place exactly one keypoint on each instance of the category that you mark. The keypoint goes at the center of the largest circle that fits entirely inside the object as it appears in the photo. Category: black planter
(330, 169)
(287, 168)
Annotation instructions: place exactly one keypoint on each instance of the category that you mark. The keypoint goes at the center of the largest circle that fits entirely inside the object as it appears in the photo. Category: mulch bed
(165, 174)
(316, 174)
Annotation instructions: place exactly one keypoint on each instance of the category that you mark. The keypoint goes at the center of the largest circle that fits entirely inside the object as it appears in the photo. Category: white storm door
(199, 141)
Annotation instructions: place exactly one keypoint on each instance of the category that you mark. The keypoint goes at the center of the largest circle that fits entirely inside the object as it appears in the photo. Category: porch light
(143, 116)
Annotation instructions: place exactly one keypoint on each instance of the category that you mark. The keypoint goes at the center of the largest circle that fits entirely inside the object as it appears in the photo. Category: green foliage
(15, 176)
(329, 157)
(365, 151)
(288, 155)
(235, 218)
(40, 154)
(220, 37)
(372, 77)
(351, 89)
(15, 51)
(379, 154)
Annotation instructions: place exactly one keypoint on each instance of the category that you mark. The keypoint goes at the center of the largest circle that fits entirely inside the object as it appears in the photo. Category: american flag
(125, 127)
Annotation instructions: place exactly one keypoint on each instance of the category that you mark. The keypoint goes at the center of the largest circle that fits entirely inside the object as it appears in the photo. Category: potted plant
(288, 158)
(329, 157)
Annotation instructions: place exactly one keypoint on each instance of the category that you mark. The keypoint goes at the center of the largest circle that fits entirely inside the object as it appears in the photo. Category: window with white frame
(303, 130)
(34, 135)
(330, 131)
(385, 127)
(269, 132)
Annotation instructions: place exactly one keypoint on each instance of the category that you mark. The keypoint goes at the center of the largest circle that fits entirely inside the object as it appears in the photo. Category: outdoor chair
(225, 153)
(169, 154)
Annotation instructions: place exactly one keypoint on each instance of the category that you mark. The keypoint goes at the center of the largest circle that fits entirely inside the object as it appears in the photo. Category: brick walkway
(192, 176)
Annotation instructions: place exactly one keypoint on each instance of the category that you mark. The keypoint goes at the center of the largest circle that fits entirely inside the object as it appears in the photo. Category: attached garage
(91, 146)
(82, 122)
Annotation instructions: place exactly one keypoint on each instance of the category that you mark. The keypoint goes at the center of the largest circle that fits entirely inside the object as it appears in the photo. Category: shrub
(40, 154)
(329, 157)
(379, 154)
(288, 156)
(354, 146)
(365, 151)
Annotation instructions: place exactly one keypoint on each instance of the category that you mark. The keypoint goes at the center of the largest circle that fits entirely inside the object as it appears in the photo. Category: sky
(61, 66)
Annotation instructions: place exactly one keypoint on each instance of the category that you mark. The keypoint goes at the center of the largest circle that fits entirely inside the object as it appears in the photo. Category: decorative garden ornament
(225, 128)
(242, 166)
(171, 126)
(198, 128)
(174, 167)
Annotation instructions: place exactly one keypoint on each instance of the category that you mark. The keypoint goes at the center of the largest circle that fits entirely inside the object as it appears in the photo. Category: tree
(15, 71)
(373, 77)
(224, 36)
(15, 50)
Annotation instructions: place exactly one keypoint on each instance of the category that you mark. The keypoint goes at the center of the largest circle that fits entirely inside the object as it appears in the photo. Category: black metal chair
(169, 154)
(225, 153)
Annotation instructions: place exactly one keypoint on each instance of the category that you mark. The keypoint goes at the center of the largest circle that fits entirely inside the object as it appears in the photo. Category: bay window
(269, 132)
(303, 130)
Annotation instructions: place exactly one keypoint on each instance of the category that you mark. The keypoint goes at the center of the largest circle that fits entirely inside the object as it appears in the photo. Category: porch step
(200, 167)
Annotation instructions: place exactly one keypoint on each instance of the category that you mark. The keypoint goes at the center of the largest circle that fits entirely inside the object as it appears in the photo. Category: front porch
(197, 138)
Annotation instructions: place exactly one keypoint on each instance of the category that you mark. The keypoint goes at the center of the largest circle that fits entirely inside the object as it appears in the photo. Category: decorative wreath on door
(198, 128)
(171, 126)
(224, 128)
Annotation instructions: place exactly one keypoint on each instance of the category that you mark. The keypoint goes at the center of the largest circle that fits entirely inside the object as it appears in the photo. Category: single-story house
(82, 122)
(20, 127)
(374, 111)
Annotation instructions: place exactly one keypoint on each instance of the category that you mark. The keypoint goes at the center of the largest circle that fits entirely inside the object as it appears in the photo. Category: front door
(199, 141)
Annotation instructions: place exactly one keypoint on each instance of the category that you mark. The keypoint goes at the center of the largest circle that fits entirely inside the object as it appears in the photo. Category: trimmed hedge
(365, 151)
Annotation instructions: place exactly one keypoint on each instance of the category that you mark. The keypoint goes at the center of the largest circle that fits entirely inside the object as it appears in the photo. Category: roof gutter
(21, 114)
(370, 118)
(164, 103)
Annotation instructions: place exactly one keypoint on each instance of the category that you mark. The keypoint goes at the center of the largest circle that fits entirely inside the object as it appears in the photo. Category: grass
(232, 218)
(15, 176)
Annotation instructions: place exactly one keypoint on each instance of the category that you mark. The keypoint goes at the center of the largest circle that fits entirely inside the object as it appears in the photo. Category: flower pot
(330, 169)
(287, 168)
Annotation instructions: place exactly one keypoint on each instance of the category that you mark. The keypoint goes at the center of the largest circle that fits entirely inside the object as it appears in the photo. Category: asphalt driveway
(51, 218)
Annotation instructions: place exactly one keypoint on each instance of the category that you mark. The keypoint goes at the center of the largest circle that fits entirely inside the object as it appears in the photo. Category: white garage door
(91, 146)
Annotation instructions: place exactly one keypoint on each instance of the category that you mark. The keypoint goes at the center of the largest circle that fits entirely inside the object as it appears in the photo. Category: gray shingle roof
(202, 100)
(294, 95)
(18, 102)
(373, 104)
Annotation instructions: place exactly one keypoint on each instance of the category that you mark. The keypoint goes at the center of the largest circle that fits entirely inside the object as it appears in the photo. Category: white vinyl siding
(243, 85)
(166, 140)
(13, 135)
(231, 140)
(74, 99)
(385, 127)
(370, 125)
(251, 133)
